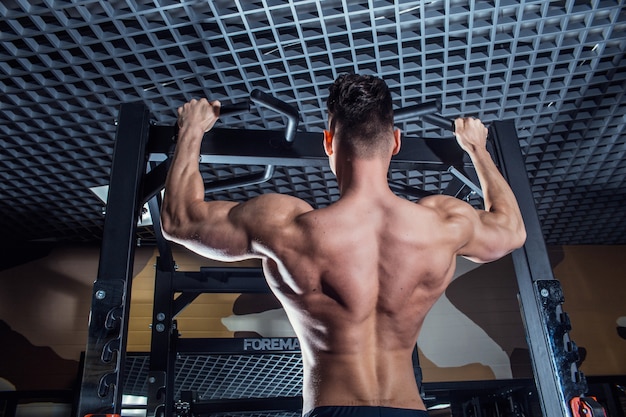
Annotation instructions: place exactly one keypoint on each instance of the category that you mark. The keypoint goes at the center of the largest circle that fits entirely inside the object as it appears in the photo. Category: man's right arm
(484, 235)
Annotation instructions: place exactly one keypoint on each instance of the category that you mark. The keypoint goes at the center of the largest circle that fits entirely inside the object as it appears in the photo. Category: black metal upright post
(164, 334)
(553, 355)
(101, 387)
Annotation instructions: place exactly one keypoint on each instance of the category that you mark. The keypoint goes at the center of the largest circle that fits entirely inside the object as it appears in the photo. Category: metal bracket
(156, 394)
(558, 325)
(452, 170)
(99, 379)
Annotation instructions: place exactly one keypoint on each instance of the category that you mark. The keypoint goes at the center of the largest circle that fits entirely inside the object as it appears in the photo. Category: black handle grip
(417, 111)
(225, 110)
(235, 108)
(273, 103)
(279, 106)
(440, 121)
(424, 111)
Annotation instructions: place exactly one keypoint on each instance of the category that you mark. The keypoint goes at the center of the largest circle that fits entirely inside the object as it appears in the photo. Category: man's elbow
(520, 237)
(505, 244)
(516, 239)
(169, 224)
(512, 233)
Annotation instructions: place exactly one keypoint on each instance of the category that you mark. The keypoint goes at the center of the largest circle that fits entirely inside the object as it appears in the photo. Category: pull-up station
(133, 183)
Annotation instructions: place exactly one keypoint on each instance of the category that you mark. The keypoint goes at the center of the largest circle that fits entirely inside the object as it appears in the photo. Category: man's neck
(355, 175)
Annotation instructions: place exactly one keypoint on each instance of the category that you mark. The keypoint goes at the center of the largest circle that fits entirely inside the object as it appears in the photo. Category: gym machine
(138, 171)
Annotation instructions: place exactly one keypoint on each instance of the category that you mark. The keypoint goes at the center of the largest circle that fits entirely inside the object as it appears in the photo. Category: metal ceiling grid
(555, 67)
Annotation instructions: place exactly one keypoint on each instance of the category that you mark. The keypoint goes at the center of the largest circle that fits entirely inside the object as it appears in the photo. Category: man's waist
(364, 411)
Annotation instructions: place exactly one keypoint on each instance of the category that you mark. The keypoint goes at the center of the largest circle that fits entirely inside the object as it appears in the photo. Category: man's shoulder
(437, 200)
(446, 206)
(274, 210)
(281, 202)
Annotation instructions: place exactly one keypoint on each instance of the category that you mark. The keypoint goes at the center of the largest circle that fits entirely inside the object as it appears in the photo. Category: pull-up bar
(423, 111)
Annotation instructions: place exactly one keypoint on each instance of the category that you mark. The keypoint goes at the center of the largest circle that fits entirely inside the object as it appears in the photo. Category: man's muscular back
(357, 279)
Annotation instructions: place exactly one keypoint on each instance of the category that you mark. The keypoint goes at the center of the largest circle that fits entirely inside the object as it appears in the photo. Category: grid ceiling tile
(557, 68)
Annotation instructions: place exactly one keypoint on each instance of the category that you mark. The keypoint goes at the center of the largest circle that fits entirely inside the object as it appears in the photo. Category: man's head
(361, 114)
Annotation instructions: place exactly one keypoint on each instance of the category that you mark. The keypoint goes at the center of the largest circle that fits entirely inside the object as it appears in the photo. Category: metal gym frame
(138, 171)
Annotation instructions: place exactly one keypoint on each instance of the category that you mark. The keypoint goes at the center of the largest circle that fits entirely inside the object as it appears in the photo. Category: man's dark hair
(362, 106)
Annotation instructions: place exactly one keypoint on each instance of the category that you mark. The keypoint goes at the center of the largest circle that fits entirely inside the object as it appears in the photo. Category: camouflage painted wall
(474, 332)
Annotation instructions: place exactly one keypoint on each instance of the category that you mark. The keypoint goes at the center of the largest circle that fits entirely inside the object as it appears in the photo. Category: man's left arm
(220, 230)
(185, 213)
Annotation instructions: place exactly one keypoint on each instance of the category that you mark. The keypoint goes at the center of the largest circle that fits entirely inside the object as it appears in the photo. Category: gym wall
(474, 332)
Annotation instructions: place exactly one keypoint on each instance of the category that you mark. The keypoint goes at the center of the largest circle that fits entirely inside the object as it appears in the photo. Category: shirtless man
(356, 278)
